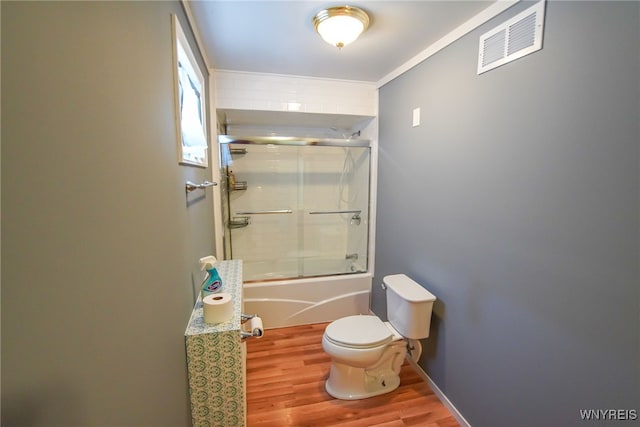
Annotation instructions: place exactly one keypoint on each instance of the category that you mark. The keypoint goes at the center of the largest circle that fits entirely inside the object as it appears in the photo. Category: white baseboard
(445, 401)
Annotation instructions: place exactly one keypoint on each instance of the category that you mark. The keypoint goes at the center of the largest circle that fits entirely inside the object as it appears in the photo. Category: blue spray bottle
(212, 282)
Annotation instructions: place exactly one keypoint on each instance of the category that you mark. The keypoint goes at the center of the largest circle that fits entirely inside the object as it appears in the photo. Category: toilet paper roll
(255, 327)
(217, 308)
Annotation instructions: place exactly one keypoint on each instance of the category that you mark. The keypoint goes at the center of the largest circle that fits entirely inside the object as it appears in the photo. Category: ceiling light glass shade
(341, 25)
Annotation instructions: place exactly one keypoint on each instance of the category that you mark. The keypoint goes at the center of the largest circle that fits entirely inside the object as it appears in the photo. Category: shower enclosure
(296, 207)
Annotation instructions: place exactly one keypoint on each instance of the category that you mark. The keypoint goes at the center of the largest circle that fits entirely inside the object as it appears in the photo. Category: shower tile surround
(216, 359)
(273, 92)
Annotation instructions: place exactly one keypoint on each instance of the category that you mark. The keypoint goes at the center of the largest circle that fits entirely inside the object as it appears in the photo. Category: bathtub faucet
(351, 257)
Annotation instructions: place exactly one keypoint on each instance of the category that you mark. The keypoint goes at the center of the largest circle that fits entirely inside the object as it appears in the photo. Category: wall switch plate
(416, 117)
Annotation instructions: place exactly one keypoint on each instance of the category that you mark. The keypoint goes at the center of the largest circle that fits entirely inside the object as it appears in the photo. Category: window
(190, 102)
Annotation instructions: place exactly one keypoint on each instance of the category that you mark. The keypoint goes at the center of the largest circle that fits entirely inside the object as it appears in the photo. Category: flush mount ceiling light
(341, 25)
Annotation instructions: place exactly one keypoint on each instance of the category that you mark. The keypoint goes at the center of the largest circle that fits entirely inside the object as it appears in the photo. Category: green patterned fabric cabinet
(216, 359)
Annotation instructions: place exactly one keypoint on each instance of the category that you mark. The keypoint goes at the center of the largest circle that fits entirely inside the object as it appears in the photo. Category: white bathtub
(302, 301)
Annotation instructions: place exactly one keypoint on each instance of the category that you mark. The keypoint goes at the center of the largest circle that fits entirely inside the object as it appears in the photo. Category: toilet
(367, 353)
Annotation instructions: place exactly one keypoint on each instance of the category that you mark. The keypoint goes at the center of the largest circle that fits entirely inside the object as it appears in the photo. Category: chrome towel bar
(357, 212)
(190, 186)
(355, 219)
(277, 211)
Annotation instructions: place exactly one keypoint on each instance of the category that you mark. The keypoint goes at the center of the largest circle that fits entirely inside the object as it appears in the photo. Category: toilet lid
(359, 332)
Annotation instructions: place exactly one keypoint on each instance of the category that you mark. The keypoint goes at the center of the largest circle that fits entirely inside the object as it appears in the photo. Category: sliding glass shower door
(296, 210)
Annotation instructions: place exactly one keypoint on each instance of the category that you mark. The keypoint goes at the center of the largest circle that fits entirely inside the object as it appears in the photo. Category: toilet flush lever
(383, 286)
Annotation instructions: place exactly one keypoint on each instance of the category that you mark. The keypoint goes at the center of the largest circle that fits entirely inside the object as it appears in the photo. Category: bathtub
(291, 302)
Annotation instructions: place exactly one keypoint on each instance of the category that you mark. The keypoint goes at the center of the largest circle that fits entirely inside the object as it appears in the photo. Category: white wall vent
(519, 36)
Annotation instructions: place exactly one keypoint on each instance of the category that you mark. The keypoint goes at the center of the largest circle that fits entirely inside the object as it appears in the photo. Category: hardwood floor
(286, 370)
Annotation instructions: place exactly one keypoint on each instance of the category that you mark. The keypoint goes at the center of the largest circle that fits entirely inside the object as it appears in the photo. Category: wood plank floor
(286, 370)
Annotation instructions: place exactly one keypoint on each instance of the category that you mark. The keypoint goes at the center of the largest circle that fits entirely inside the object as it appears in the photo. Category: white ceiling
(278, 36)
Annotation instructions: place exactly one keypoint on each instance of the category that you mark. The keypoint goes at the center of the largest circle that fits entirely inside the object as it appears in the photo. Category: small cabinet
(216, 359)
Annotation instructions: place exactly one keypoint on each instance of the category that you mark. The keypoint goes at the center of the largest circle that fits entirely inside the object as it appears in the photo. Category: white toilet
(366, 352)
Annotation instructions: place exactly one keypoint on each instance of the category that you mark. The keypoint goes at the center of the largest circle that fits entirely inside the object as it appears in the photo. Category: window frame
(194, 152)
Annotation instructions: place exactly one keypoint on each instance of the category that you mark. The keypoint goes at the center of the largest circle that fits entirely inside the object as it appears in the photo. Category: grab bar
(357, 212)
(278, 211)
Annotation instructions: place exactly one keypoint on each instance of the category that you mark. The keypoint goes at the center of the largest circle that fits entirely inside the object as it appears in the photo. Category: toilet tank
(409, 306)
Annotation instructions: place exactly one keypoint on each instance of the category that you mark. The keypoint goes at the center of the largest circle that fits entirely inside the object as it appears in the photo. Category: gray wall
(516, 202)
(99, 243)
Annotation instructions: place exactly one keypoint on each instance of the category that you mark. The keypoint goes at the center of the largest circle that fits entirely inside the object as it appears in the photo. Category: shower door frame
(299, 141)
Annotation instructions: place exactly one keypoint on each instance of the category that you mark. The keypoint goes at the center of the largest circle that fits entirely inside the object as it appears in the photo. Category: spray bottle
(212, 282)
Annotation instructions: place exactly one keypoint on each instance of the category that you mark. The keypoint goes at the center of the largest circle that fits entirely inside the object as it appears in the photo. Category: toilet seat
(360, 331)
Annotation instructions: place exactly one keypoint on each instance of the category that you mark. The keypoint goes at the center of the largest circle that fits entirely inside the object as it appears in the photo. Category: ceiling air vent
(519, 36)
